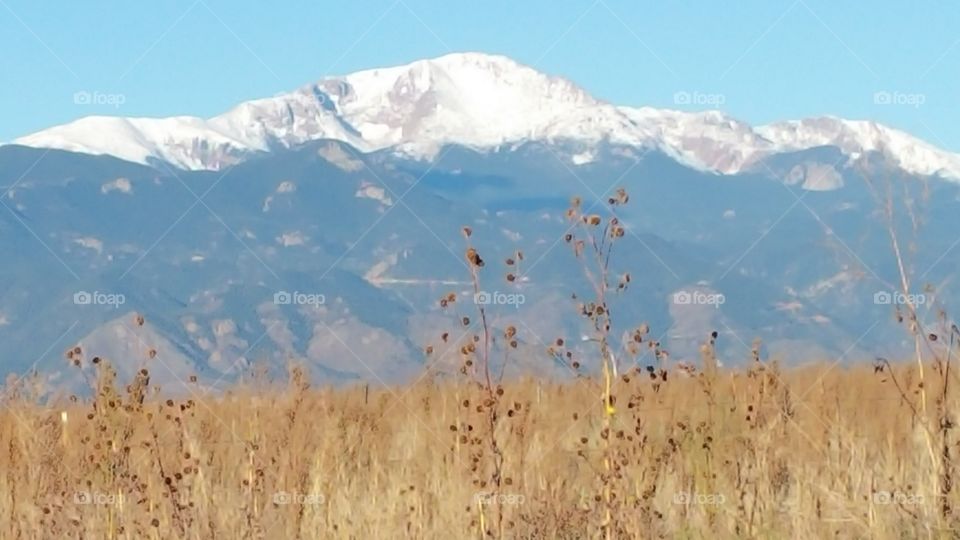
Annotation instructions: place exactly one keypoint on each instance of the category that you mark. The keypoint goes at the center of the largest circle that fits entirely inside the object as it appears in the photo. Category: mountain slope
(482, 102)
(325, 220)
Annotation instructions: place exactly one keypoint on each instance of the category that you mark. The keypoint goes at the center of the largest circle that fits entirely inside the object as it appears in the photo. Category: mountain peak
(459, 60)
(465, 98)
(452, 63)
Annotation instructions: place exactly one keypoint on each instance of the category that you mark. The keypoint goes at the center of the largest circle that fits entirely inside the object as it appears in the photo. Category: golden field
(813, 452)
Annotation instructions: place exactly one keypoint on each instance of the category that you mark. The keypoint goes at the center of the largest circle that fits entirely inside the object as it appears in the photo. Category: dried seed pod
(474, 258)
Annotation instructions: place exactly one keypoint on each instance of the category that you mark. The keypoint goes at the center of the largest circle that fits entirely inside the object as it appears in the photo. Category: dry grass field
(662, 450)
(816, 452)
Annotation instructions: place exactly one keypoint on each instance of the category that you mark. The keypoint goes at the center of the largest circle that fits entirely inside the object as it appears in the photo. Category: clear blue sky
(768, 59)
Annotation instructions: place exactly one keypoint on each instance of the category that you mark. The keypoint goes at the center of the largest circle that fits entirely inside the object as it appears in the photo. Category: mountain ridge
(483, 102)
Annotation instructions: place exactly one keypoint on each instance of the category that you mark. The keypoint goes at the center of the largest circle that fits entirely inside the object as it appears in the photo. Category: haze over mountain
(323, 225)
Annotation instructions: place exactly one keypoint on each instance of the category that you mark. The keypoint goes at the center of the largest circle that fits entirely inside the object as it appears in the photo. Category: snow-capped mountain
(482, 102)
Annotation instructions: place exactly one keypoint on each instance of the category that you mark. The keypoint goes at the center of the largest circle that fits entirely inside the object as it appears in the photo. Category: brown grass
(814, 452)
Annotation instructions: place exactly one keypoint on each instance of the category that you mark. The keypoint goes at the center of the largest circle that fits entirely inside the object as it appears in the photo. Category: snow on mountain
(710, 141)
(189, 143)
(857, 137)
(480, 101)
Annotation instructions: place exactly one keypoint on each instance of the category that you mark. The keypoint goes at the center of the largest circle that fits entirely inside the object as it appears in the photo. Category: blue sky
(763, 60)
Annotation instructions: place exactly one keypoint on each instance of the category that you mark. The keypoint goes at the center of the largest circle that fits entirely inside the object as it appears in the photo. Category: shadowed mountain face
(328, 256)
